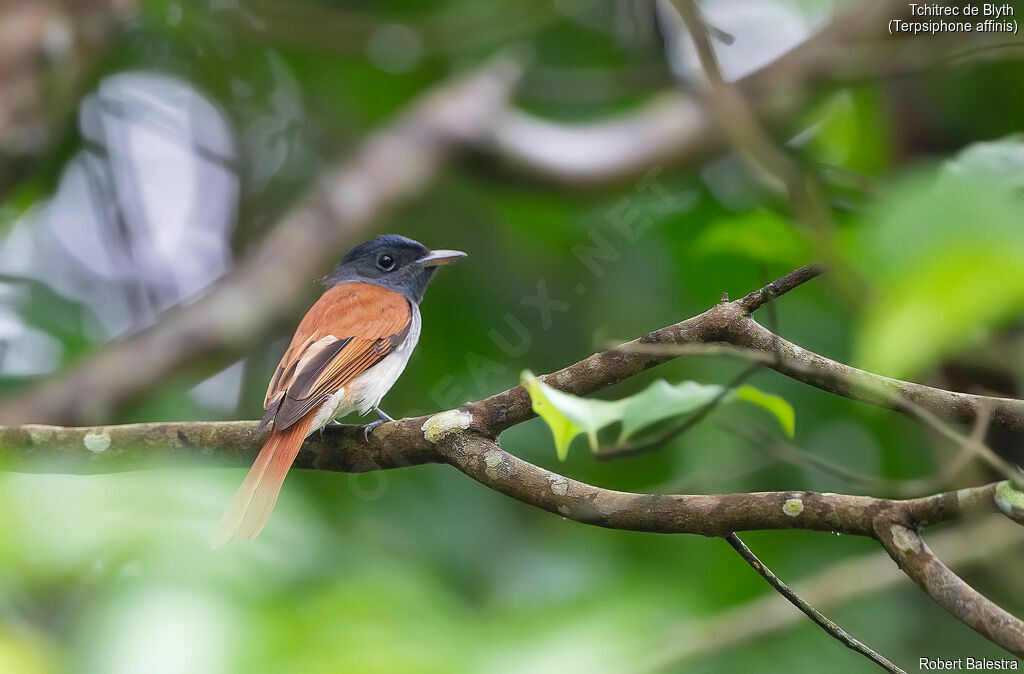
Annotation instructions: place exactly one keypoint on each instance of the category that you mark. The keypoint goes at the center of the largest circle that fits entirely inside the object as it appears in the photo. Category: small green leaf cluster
(569, 416)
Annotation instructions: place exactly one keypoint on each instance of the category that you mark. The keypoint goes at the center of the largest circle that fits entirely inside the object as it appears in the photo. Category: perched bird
(347, 352)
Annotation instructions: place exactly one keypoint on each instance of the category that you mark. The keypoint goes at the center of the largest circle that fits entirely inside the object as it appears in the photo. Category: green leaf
(777, 405)
(569, 416)
(661, 401)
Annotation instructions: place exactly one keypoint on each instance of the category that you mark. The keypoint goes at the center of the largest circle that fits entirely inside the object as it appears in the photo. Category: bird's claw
(369, 428)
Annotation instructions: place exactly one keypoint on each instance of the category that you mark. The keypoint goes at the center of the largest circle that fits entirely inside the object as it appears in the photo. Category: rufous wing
(351, 328)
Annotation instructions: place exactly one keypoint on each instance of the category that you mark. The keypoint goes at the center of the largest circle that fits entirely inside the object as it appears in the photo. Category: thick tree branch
(390, 167)
(835, 377)
(705, 514)
(454, 438)
(101, 449)
(724, 514)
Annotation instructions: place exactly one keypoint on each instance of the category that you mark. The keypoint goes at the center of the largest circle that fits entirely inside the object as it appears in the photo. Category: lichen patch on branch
(905, 539)
(440, 426)
(96, 442)
(559, 485)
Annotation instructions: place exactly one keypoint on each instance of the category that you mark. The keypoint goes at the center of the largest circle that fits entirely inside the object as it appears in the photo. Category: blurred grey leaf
(739, 37)
(142, 215)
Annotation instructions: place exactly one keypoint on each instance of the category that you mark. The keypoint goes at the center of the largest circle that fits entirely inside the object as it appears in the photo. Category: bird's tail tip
(249, 509)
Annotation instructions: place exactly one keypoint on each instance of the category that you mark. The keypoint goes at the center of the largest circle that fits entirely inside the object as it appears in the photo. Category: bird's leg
(332, 422)
(382, 417)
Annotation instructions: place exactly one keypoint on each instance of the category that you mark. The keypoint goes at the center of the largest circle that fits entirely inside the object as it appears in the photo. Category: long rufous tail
(254, 500)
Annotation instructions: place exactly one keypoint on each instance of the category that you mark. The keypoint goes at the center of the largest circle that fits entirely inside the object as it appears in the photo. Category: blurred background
(148, 147)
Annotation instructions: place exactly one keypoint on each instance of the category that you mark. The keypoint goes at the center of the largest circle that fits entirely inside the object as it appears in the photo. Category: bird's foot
(382, 417)
(369, 428)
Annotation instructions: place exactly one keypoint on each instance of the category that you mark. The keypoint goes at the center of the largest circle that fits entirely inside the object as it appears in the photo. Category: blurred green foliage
(421, 569)
(944, 258)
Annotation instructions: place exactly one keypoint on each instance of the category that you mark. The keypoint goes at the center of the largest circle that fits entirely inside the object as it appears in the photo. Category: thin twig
(703, 480)
(786, 451)
(794, 279)
(848, 579)
(743, 128)
(822, 621)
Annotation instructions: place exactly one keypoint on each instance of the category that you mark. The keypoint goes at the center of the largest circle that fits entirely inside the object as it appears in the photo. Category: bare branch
(453, 438)
(707, 515)
(835, 377)
(814, 614)
(905, 545)
(670, 128)
(755, 300)
(101, 449)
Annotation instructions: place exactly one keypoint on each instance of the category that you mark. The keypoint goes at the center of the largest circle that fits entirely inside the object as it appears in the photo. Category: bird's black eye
(386, 262)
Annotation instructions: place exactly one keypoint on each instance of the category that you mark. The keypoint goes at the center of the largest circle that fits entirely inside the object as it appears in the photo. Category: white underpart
(365, 391)
(327, 411)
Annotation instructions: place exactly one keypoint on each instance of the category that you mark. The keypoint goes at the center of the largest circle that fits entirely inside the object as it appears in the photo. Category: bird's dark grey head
(394, 262)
